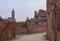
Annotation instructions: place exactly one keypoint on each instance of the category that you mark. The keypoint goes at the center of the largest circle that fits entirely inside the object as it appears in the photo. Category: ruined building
(11, 21)
(12, 18)
(7, 28)
(38, 23)
(53, 20)
(33, 25)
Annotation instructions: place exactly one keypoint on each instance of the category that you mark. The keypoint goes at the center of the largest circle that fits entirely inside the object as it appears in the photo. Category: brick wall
(7, 30)
(50, 18)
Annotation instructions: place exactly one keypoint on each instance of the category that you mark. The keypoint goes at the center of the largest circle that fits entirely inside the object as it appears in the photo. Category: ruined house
(40, 19)
(33, 25)
(53, 20)
(11, 24)
(38, 23)
(7, 29)
(2, 28)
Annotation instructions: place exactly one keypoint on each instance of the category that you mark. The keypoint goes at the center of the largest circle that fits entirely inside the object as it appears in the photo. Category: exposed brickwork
(33, 25)
(38, 23)
(52, 18)
(7, 29)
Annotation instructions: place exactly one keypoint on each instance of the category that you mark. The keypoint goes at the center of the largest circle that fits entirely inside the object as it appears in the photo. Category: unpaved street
(31, 37)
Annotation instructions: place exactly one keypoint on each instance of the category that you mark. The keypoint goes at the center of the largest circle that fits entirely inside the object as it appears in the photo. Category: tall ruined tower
(13, 13)
(36, 16)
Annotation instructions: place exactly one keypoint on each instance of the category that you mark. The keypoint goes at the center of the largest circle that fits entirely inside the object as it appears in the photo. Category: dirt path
(31, 37)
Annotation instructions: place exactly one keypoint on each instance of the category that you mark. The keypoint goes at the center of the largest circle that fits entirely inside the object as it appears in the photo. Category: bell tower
(13, 13)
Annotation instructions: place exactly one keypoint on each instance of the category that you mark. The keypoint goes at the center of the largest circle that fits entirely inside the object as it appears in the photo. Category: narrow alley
(31, 37)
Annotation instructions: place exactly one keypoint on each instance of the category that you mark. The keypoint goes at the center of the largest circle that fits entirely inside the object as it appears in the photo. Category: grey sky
(23, 8)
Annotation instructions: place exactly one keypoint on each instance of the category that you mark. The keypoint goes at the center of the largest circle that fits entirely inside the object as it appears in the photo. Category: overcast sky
(23, 8)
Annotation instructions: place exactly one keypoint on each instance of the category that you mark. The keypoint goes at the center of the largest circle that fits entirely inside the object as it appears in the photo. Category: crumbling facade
(33, 25)
(7, 29)
(38, 23)
(53, 20)
(11, 24)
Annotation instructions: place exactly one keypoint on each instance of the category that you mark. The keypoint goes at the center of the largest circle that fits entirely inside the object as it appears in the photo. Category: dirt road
(31, 37)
